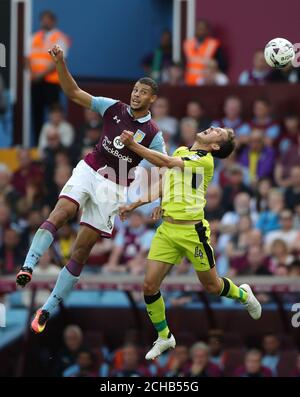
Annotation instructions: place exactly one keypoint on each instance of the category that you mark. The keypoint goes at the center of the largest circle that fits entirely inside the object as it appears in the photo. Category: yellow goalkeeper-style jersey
(184, 190)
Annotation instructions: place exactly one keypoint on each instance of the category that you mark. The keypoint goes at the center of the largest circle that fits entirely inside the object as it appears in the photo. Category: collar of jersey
(141, 119)
(200, 152)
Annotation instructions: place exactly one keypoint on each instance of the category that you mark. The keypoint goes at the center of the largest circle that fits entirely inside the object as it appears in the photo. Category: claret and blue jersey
(110, 151)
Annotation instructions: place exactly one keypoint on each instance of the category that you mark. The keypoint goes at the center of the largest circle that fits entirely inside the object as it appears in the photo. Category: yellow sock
(156, 311)
(232, 291)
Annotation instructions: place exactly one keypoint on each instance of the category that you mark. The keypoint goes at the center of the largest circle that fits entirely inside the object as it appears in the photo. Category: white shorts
(98, 197)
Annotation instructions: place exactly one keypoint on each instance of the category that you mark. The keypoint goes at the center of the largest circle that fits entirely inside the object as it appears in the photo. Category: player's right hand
(56, 53)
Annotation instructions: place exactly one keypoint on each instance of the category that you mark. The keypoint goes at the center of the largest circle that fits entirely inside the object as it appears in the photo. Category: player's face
(141, 97)
(213, 135)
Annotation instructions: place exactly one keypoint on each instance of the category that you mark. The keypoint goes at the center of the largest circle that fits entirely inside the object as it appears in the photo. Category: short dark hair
(151, 83)
(227, 147)
(48, 13)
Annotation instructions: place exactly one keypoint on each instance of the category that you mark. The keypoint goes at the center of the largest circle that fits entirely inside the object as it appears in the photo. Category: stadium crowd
(87, 354)
(252, 204)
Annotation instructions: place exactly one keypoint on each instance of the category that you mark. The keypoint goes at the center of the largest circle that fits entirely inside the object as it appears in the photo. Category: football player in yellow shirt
(184, 232)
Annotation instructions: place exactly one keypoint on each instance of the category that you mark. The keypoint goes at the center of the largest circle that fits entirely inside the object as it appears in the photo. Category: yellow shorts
(172, 242)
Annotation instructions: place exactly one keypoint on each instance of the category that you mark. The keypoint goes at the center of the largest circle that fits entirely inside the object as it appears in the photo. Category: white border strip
(176, 30)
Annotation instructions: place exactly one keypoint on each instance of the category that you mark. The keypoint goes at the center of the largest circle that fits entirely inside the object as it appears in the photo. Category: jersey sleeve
(157, 144)
(100, 104)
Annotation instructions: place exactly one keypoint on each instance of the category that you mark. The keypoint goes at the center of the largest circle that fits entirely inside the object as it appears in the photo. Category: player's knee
(60, 216)
(150, 288)
(212, 288)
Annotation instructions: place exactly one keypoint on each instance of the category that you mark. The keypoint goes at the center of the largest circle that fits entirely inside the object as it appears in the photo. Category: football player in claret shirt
(98, 183)
(184, 231)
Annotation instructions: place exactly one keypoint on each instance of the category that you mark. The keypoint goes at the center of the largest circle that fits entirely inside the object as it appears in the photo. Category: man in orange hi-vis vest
(199, 50)
(45, 88)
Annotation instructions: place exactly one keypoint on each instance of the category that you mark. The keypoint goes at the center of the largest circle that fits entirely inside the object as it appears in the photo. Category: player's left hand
(127, 138)
(157, 213)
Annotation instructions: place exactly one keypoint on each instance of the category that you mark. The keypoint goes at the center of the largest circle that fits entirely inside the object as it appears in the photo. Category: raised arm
(68, 84)
(154, 157)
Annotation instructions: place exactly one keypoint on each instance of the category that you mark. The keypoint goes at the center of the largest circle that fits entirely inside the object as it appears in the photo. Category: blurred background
(253, 204)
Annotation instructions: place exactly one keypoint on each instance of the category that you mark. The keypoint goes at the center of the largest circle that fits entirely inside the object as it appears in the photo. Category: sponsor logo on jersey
(118, 144)
(106, 145)
(139, 136)
(117, 120)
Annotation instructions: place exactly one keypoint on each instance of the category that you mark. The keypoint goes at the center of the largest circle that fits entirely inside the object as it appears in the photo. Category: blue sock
(63, 287)
(42, 240)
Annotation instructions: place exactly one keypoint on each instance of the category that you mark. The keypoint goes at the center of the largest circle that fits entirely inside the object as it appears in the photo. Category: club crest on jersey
(117, 120)
(139, 136)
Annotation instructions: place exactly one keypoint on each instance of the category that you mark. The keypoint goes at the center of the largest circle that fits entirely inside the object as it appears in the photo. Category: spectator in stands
(235, 186)
(279, 256)
(239, 243)
(131, 246)
(28, 171)
(263, 121)
(290, 133)
(174, 75)
(287, 233)
(201, 365)
(258, 158)
(241, 208)
(45, 88)
(68, 354)
(271, 356)
(268, 220)
(63, 244)
(179, 362)
(233, 119)
(196, 110)
(8, 195)
(260, 72)
(202, 47)
(214, 209)
(187, 131)
(85, 366)
(262, 190)
(292, 193)
(32, 222)
(160, 114)
(294, 269)
(45, 268)
(57, 121)
(61, 176)
(91, 120)
(285, 163)
(130, 364)
(216, 348)
(156, 65)
(3, 99)
(253, 263)
(287, 74)
(253, 367)
(11, 256)
(296, 371)
(212, 75)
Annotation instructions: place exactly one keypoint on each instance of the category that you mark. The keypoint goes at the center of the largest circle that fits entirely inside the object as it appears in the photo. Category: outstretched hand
(56, 53)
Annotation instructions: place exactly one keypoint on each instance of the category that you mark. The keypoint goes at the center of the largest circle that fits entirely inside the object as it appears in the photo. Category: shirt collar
(141, 119)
